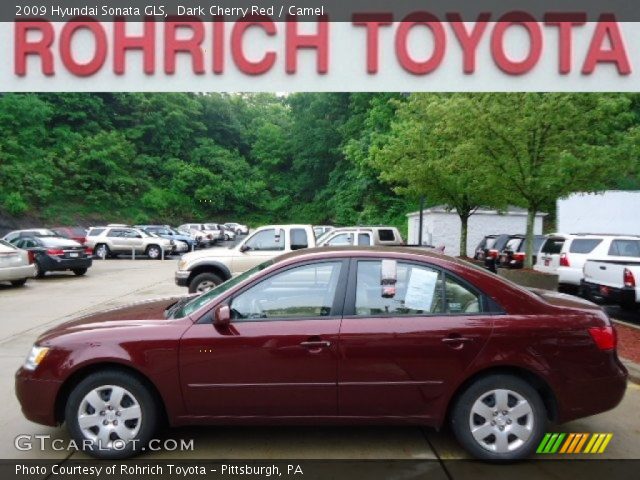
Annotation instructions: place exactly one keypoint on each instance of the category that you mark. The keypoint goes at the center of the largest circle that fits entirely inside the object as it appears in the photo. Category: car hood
(135, 314)
(210, 254)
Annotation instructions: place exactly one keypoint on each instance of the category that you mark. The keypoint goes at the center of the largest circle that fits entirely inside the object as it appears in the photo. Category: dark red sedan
(332, 336)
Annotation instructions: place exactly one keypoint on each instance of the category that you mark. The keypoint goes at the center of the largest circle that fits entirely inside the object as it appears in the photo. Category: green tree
(429, 152)
(548, 145)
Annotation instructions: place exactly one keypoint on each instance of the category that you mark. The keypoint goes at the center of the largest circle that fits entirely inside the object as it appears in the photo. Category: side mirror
(388, 278)
(245, 248)
(222, 316)
(138, 236)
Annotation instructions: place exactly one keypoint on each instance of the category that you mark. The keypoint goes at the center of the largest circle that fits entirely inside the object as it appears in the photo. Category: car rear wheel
(101, 251)
(154, 252)
(204, 282)
(499, 418)
(18, 283)
(79, 271)
(40, 271)
(111, 414)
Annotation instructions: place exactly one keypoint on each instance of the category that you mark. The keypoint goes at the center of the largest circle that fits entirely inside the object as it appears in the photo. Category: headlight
(182, 264)
(36, 355)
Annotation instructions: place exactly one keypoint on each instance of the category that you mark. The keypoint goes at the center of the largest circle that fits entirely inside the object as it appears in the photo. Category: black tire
(106, 249)
(203, 278)
(79, 271)
(39, 270)
(461, 417)
(154, 252)
(18, 283)
(148, 407)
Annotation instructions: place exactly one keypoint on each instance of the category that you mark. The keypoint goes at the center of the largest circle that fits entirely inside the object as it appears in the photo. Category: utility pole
(421, 218)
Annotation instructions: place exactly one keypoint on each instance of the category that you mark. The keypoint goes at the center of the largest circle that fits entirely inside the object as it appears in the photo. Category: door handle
(316, 344)
(602, 267)
(457, 340)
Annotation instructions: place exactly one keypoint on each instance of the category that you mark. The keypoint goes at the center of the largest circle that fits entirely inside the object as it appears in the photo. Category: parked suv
(183, 242)
(565, 255)
(514, 252)
(111, 241)
(238, 228)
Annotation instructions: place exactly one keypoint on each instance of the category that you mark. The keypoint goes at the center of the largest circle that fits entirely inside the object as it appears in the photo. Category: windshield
(199, 302)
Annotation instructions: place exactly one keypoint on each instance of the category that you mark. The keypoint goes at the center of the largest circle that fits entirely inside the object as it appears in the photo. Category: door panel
(399, 354)
(278, 357)
(261, 369)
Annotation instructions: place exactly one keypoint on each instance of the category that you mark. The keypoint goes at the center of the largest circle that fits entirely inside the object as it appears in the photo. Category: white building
(442, 226)
(613, 211)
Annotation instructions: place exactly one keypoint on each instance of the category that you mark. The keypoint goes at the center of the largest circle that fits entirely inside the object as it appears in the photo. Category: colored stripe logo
(574, 443)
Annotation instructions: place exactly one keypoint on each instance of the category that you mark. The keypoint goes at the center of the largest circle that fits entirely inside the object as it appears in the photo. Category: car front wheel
(18, 283)
(101, 251)
(204, 282)
(79, 271)
(499, 418)
(154, 252)
(111, 414)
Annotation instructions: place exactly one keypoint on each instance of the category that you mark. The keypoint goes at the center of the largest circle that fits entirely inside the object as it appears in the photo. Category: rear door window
(514, 244)
(625, 248)
(418, 291)
(584, 245)
(386, 235)
(553, 246)
(364, 239)
(299, 238)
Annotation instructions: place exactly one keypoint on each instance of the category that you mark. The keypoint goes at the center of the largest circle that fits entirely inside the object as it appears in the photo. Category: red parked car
(78, 234)
(332, 336)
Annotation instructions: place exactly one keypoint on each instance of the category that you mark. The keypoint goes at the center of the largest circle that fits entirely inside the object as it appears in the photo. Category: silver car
(16, 265)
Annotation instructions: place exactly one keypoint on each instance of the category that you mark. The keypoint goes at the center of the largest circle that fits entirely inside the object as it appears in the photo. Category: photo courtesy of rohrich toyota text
(319, 239)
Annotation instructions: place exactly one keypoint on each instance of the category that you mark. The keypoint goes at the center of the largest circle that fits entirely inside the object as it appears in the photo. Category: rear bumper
(37, 397)
(51, 263)
(17, 273)
(606, 294)
(586, 398)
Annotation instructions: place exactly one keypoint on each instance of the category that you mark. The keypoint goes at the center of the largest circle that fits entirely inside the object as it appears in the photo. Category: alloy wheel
(501, 421)
(205, 286)
(110, 416)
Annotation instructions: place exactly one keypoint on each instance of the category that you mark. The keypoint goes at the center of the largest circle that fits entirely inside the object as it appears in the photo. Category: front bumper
(37, 397)
(182, 278)
(17, 273)
(606, 294)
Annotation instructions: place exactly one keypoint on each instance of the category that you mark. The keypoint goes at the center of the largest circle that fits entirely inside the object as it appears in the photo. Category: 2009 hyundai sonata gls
(332, 336)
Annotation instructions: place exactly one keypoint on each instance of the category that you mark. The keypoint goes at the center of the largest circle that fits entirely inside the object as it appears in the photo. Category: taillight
(31, 256)
(604, 337)
(628, 278)
(519, 256)
(564, 260)
(55, 251)
(88, 251)
(493, 253)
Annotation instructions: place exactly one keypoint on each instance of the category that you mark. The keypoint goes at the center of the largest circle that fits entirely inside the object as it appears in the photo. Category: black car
(513, 253)
(54, 254)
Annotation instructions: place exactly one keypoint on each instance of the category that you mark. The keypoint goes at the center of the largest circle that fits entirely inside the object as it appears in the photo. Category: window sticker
(421, 289)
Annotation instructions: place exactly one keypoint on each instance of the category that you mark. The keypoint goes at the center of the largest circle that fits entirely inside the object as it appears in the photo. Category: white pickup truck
(203, 270)
(615, 279)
